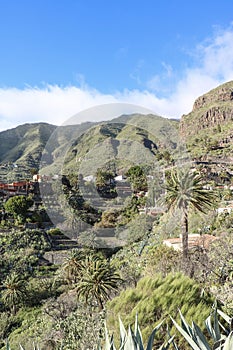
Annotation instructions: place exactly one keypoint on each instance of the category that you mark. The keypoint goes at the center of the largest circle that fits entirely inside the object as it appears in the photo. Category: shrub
(54, 231)
(156, 298)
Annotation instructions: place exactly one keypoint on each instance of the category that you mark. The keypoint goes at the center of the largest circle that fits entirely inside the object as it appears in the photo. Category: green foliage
(105, 183)
(132, 339)
(161, 259)
(184, 190)
(33, 327)
(108, 219)
(72, 266)
(130, 264)
(7, 324)
(97, 281)
(214, 270)
(137, 178)
(23, 145)
(14, 292)
(131, 209)
(54, 231)
(76, 208)
(20, 251)
(139, 228)
(81, 329)
(18, 206)
(221, 336)
(93, 277)
(155, 298)
(87, 239)
(41, 288)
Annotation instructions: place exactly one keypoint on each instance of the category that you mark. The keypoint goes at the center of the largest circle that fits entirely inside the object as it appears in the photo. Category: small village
(124, 189)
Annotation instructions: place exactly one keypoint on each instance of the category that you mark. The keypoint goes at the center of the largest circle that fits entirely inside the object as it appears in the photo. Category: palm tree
(72, 265)
(14, 292)
(99, 279)
(184, 190)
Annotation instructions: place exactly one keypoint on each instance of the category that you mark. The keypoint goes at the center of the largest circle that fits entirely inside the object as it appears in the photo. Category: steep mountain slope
(22, 147)
(25, 143)
(208, 129)
(132, 138)
(21, 150)
(127, 140)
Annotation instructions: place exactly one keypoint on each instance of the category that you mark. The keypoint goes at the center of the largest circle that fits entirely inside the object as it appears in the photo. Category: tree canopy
(185, 190)
(18, 206)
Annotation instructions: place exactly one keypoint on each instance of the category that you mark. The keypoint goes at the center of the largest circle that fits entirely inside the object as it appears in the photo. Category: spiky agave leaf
(138, 334)
(133, 340)
(229, 342)
(152, 336)
(186, 335)
(213, 330)
(130, 343)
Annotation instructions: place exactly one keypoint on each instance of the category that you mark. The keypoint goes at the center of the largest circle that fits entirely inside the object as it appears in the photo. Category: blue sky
(59, 57)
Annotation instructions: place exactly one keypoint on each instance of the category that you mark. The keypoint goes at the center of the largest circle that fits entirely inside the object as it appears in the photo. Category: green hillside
(128, 140)
(131, 139)
(24, 142)
(112, 246)
(21, 149)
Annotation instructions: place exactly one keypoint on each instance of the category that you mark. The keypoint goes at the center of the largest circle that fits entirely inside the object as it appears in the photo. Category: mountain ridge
(207, 129)
(25, 144)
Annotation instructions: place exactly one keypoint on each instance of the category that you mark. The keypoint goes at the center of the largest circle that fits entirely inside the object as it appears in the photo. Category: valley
(131, 216)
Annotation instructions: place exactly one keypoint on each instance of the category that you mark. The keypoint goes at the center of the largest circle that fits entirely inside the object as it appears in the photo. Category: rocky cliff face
(211, 109)
(221, 94)
(210, 124)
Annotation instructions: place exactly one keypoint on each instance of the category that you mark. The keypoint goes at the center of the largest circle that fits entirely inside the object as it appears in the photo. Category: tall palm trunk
(13, 309)
(100, 302)
(185, 234)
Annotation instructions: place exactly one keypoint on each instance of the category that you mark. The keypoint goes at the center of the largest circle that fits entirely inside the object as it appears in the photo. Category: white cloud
(161, 83)
(55, 104)
(217, 55)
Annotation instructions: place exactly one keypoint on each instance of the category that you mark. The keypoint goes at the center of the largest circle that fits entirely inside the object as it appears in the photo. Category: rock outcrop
(222, 93)
(208, 129)
(210, 110)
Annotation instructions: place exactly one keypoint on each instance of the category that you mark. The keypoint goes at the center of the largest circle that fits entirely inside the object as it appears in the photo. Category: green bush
(155, 299)
(54, 231)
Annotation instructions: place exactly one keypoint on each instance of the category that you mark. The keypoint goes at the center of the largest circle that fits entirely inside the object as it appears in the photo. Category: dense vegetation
(66, 287)
(67, 303)
(53, 305)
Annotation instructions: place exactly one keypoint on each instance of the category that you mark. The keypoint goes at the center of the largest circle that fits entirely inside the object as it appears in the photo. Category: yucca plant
(132, 340)
(221, 337)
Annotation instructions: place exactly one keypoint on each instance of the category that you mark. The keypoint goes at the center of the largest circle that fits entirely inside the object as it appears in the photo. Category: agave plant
(222, 337)
(132, 340)
(35, 347)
